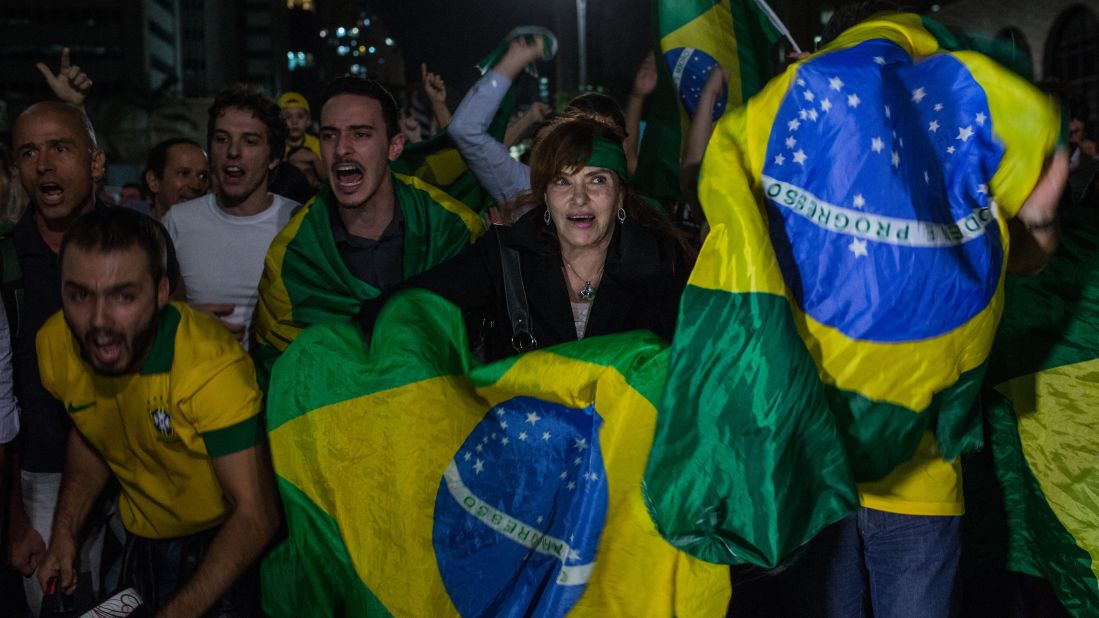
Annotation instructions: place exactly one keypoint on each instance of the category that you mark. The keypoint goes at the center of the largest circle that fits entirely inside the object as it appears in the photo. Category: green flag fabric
(1033, 496)
(304, 278)
(692, 37)
(419, 483)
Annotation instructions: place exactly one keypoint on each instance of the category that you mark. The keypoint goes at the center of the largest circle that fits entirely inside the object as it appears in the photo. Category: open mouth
(581, 220)
(50, 193)
(233, 172)
(105, 349)
(348, 177)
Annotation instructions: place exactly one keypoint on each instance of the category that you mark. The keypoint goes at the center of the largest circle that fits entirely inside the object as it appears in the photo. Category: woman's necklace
(586, 293)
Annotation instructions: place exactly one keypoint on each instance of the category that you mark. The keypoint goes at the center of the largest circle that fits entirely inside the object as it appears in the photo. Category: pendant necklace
(586, 293)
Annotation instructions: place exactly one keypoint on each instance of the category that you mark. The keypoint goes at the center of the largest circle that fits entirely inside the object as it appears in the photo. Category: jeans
(899, 566)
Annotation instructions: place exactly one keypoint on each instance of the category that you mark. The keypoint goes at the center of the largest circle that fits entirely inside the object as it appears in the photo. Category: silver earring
(621, 214)
(546, 217)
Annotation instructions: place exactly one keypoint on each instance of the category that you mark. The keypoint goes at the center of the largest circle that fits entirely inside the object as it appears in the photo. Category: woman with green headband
(588, 258)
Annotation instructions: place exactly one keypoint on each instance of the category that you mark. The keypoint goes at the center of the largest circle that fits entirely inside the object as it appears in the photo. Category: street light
(581, 34)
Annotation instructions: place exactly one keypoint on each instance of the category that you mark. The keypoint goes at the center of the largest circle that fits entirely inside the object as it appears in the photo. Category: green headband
(610, 155)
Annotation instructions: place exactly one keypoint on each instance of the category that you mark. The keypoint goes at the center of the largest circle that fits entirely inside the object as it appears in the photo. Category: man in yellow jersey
(165, 399)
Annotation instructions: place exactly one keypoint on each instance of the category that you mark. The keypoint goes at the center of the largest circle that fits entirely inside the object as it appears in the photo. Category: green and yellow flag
(1033, 495)
(693, 36)
(417, 483)
(846, 299)
(306, 282)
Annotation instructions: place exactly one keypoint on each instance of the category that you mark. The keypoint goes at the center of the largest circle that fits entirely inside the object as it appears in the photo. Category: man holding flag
(837, 327)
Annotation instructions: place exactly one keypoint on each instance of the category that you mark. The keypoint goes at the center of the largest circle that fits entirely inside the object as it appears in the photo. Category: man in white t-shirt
(221, 238)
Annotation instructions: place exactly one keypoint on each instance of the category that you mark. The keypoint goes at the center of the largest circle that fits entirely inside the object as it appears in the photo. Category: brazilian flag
(849, 291)
(694, 36)
(418, 483)
(306, 282)
(1033, 495)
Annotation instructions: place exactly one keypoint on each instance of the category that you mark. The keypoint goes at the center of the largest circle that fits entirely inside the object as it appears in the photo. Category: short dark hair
(158, 158)
(106, 230)
(599, 107)
(262, 107)
(363, 87)
(850, 15)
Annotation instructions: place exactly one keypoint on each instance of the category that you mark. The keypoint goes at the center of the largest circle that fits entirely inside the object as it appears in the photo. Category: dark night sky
(452, 39)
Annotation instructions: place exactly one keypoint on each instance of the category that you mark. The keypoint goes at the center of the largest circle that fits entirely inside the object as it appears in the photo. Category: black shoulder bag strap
(515, 293)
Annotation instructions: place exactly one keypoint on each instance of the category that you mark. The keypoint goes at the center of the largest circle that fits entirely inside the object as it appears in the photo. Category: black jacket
(643, 279)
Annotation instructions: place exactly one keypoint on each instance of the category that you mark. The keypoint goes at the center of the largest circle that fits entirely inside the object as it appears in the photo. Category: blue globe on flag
(520, 511)
(690, 68)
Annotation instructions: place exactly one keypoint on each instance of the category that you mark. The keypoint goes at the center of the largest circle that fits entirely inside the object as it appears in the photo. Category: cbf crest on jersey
(848, 294)
(419, 484)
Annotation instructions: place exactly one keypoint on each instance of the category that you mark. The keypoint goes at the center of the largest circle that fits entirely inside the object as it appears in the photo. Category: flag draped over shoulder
(306, 282)
(693, 36)
(418, 484)
(847, 296)
(1033, 495)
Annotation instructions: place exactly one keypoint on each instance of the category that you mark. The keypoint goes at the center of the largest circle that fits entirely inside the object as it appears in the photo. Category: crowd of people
(137, 340)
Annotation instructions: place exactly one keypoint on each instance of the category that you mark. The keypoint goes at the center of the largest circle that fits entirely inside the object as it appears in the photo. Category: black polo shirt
(377, 262)
(44, 422)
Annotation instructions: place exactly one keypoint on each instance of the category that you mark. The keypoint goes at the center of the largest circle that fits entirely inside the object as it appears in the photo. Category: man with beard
(223, 237)
(366, 231)
(59, 163)
(164, 399)
(176, 171)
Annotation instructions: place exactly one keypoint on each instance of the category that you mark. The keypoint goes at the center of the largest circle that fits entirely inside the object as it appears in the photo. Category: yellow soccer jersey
(194, 398)
(924, 485)
(311, 142)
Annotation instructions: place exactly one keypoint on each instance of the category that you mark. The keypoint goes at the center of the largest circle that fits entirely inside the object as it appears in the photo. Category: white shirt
(220, 255)
(9, 409)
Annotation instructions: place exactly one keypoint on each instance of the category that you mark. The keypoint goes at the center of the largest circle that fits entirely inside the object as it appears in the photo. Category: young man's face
(297, 121)
(241, 155)
(355, 149)
(111, 302)
(57, 163)
(186, 176)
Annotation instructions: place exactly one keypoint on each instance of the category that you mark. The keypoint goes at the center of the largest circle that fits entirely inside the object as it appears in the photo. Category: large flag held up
(847, 296)
(1033, 495)
(306, 282)
(694, 36)
(417, 483)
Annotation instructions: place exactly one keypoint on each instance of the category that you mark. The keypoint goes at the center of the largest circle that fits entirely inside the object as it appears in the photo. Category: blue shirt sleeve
(502, 176)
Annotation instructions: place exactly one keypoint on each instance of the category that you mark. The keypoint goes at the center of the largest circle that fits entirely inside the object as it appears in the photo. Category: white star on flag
(572, 485)
(799, 157)
(982, 189)
(980, 118)
(574, 555)
(493, 436)
(578, 461)
(793, 124)
(877, 145)
(533, 418)
(545, 435)
(479, 467)
(791, 142)
(918, 94)
(523, 436)
(808, 96)
(803, 114)
(860, 201)
(964, 133)
(879, 59)
(901, 142)
(480, 447)
(581, 444)
(926, 177)
(505, 441)
(934, 126)
(503, 424)
(853, 100)
(949, 150)
(896, 159)
(466, 456)
(779, 160)
(564, 475)
(801, 82)
(813, 115)
(825, 105)
(500, 412)
(835, 83)
(888, 112)
(938, 107)
(858, 247)
(539, 520)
